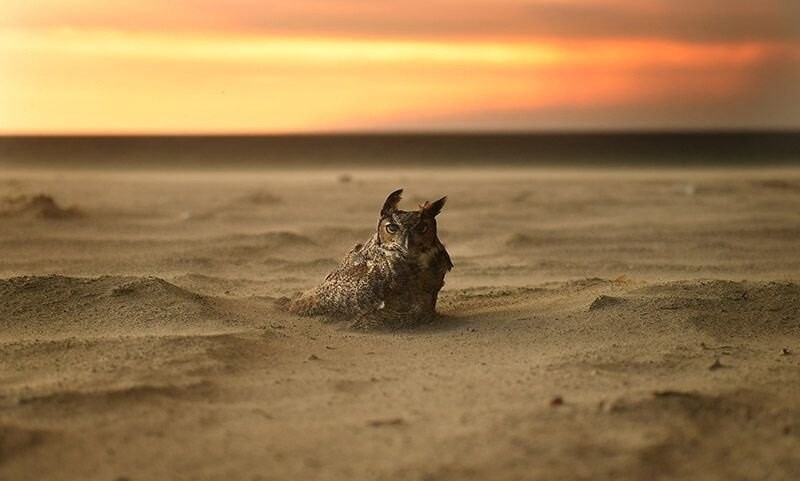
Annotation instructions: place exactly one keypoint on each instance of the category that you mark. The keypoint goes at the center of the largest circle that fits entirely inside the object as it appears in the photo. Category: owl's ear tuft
(432, 209)
(391, 202)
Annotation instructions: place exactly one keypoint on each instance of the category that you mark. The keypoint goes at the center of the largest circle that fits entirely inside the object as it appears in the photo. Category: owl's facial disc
(409, 233)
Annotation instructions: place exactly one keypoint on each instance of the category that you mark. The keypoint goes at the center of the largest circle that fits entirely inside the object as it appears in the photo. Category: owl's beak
(402, 244)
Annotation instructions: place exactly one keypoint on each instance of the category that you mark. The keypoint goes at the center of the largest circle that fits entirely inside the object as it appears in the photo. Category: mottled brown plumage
(393, 279)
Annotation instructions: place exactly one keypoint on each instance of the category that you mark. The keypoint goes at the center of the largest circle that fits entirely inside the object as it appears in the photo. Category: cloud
(692, 20)
(780, 113)
(684, 20)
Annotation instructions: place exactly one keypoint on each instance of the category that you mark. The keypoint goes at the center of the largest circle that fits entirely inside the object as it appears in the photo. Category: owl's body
(392, 280)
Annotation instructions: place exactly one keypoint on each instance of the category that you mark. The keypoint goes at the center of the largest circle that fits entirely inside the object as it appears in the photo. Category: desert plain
(618, 324)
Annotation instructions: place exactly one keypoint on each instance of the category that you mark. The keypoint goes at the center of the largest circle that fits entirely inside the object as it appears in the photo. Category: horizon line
(413, 133)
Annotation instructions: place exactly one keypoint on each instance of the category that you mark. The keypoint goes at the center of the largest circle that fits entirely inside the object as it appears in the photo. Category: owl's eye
(392, 228)
(422, 228)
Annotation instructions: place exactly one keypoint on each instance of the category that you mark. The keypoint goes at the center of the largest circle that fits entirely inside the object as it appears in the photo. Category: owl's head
(408, 232)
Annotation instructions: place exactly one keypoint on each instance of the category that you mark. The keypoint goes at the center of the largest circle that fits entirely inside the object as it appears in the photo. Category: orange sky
(255, 66)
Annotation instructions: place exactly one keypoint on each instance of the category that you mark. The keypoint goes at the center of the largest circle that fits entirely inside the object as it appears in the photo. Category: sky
(287, 66)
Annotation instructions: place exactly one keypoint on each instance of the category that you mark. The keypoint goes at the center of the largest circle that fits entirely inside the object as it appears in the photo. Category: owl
(392, 280)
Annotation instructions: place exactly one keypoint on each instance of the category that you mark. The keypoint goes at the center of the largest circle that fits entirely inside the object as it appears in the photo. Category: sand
(616, 324)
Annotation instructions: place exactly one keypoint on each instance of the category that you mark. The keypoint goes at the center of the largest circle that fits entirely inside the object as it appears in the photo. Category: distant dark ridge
(645, 149)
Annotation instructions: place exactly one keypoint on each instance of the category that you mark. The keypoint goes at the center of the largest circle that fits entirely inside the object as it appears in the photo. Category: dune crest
(56, 306)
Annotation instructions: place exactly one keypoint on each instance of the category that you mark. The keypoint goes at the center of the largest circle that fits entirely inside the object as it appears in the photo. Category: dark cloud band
(685, 20)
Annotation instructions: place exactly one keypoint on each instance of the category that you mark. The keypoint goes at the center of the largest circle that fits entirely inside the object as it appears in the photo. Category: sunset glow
(95, 70)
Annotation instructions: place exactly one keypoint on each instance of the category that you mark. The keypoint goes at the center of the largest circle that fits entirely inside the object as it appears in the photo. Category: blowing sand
(597, 325)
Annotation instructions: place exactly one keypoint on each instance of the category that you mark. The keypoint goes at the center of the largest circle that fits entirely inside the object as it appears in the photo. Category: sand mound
(663, 435)
(96, 398)
(266, 243)
(343, 237)
(242, 207)
(273, 239)
(133, 369)
(40, 206)
(691, 430)
(214, 285)
(55, 306)
(779, 184)
(16, 440)
(691, 406)
(260, 197)
(720, 308)
(519, 240)
(248, 248)
(478, 300)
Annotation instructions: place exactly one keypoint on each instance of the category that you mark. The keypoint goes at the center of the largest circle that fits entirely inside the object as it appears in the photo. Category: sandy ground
(597, 325)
